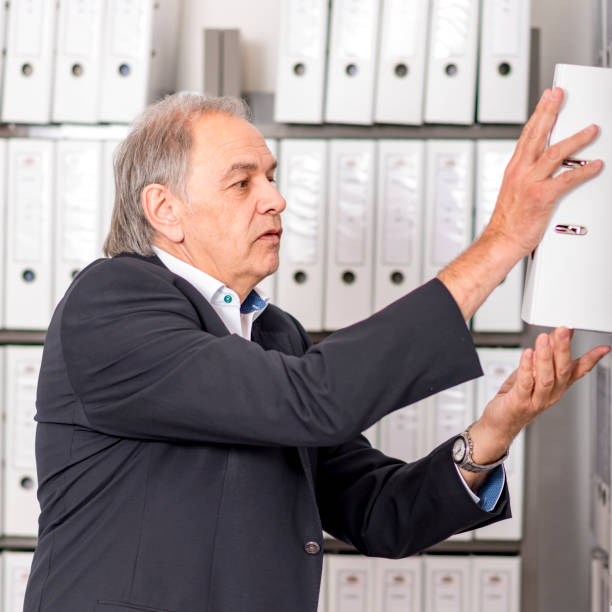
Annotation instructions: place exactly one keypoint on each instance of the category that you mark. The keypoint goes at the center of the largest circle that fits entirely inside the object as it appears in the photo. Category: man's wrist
(489, 444)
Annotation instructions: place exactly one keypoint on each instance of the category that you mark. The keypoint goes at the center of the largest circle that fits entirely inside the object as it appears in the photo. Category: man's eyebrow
(246, 167)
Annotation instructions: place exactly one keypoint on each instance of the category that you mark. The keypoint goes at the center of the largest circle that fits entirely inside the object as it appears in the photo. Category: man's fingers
(587, 362)
(534, 136)
(569, 148)
(544, 371)
(562, 355)
(524, 376)
(571, 178)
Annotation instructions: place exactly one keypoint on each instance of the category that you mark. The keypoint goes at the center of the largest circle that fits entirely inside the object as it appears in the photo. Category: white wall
(258, 21)
(566, 32)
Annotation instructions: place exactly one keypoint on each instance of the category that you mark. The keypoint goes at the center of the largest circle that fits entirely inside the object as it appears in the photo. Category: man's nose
(272, 200)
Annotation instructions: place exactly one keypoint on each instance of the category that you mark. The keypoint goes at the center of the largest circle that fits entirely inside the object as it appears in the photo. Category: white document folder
(400, 85)
(501, 312)
(77, 209)
(350, 583)
(497, 365)
(503, 77)
(20, 507)
(398, 585)
(348, 295)
(566, 283)
(496, 584)
(450, 91)
(351, 64)
(29, 280)
(15, 573)
(77, 63)
(28, 74)
(449, 202)
(403, 432)
(126, 45)
(3, 207)
(447, 584)
(300, 77)
(301, 273)
(399, 213)
(322, 607)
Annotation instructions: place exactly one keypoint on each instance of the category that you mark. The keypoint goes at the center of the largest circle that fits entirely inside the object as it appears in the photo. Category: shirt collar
(213, 290)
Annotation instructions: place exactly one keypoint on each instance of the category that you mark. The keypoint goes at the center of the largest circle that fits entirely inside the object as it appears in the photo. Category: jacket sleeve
(141, 365)
(387, 508)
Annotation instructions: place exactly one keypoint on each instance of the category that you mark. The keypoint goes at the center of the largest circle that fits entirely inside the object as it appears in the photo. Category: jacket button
(312, 548)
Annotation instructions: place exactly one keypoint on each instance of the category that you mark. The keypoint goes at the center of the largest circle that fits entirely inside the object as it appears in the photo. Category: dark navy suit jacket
(184, 469)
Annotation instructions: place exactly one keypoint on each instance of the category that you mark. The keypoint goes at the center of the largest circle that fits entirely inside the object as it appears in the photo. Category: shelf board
(19, 336)
(17, 543)
(492, 547)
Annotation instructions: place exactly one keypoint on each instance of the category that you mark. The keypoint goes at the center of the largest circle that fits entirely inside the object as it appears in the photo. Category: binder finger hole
(27, 69)
(397, 278)
(300, 277)
(28, 276)
(504, 69)
(348, 277)
(124, 70)
(451, 69)
(27, 483)
(401, 70)
(74, 272)
(77, 70)
(351, 70)
(299, 69)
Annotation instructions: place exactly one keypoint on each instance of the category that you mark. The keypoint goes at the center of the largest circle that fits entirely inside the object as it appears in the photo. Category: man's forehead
(225, 139)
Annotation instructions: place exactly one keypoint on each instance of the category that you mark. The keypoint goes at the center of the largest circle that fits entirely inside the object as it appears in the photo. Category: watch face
(459, 449)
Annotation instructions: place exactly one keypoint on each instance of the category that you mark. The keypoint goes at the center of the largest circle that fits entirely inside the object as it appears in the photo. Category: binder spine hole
(300, 277)
(74, 272)
(299, 69)
(504, 69)
(397, 278)
(28, 276)
(27, 69)
(27, 483)
(348, 277)
(77, 70)
(451, 69)
(401, 70)
(351, 70)
(124, 70)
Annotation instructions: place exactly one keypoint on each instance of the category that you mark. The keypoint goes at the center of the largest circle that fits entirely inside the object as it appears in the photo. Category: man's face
(232, 224)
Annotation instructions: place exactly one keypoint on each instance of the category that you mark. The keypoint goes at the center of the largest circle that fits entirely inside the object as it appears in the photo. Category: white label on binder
(30, 215)
(79, 205)
(400, 28)
(356, 33)
(494, 591)
(401, 432)
(305, 36)
(447, 591)
(23, 427)
(451, 35)
(79, 28)
(302, 218)
(400, 208)
(504, 21)
(353, 196)
(451, 413)
(29, 17)
(129, 22)
(398, 591)
(451, 199)
(352, 591)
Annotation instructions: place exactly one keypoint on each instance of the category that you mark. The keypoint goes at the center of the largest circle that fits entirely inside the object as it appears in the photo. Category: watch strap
(467, 463)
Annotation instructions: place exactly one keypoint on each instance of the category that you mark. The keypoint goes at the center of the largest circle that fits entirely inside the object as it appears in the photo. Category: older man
(192, 444)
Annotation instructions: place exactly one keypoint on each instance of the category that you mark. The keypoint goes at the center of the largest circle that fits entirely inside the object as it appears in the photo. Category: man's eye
(242, 184)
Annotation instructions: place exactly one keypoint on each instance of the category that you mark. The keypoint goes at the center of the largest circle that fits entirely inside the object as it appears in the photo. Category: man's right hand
(526, 201)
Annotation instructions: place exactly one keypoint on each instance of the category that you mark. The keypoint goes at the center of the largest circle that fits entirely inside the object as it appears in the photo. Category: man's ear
(162, 210)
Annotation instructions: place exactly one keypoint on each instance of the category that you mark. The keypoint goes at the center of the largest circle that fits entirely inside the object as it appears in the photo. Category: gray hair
(157, 150)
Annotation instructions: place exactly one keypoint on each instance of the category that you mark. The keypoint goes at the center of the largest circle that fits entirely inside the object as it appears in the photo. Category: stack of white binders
(403, 61)
(84, 62)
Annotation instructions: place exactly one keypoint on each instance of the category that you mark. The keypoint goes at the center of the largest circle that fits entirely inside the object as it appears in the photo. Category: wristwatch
(463, 447)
